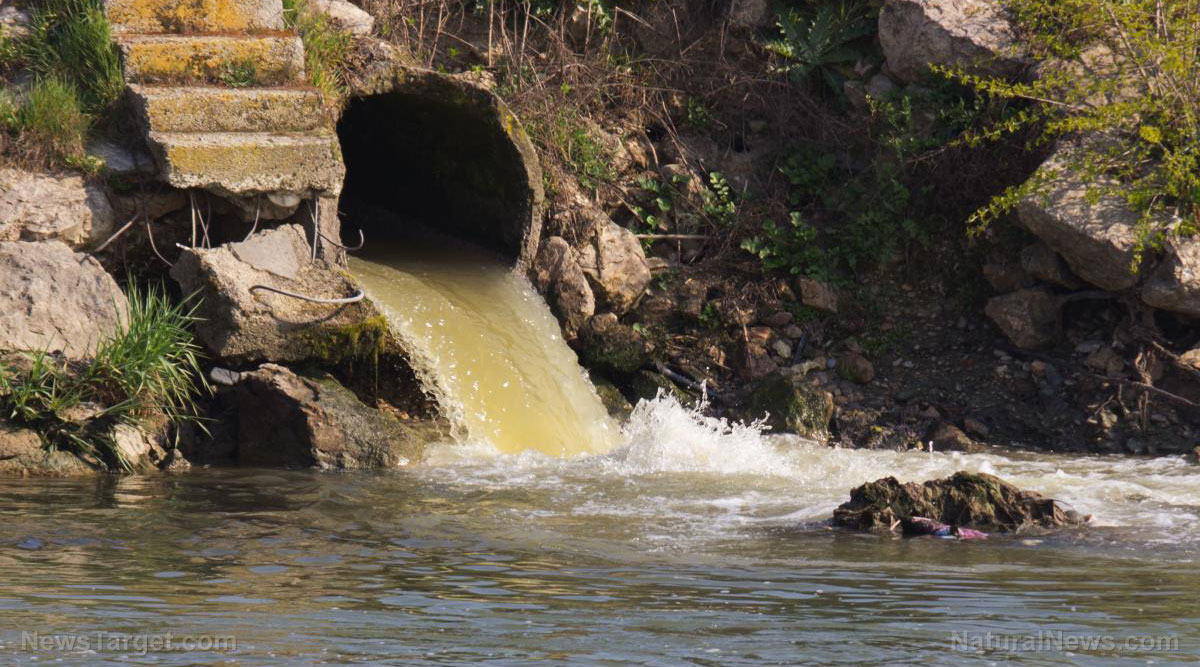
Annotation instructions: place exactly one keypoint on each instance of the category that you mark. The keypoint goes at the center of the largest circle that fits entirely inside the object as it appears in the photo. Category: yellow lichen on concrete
(264, 60)
(184, 16)
(211, 109)
(275, 163)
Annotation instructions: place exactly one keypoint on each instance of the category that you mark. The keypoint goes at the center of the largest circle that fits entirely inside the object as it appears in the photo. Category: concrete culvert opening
(443, 153)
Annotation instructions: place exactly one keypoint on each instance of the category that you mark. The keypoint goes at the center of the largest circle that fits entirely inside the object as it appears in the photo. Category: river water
(547, 534)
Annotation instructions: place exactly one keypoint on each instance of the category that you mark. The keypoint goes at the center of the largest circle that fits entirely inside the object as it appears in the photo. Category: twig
(150, 236)
(355, 298)
(119, 232)
(674, 237)
(257, 211)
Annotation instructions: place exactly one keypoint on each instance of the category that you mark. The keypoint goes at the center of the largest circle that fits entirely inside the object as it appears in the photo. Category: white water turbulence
(487, 347)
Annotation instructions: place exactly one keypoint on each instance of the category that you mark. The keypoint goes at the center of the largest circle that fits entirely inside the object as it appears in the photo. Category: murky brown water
(661, 553)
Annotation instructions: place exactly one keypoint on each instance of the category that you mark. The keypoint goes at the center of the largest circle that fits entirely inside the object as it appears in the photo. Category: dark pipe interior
(442, 160)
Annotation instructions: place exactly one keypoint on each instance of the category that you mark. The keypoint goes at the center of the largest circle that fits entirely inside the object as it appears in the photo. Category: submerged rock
(241, 322)
(284, 419)
(54, 299)
(965, 499)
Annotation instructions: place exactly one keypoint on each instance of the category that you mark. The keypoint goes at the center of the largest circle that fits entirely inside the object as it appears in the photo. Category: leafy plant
(1120, 72)
(326, 48)
(820, 41)
(590, 160)
(238, 73)
(148, 369)
(791, 247)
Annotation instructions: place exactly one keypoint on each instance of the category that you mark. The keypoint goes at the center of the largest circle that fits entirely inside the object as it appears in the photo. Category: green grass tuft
(326, 48)
(146, 371)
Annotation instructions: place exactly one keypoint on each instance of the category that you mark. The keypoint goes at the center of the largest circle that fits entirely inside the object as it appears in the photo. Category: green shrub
(326, 48)
(147, 370)
(1122, 72)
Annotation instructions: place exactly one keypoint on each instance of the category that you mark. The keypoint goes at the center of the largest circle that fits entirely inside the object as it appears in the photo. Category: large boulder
(284, 419)
(63, 207)
(1096, 235)
(615, 265)
(556, 274)
(1031, 318)
(975, 500)
(54, 299)
(242, 323)
(974, 34)
(1175, 285)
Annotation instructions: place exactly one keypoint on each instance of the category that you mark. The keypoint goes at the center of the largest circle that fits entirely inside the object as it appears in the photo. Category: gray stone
(974, 34)
(1175, 285)
(1042, 263)
(241, 324)
(1030, 318)
(556, 273)
(947, 437)
(1006, 277)
(1096, 236)
(14, 22)
(615, 265)
(346, 16)
(123, 160)
(816, 294)
(63, 207)
(287, 420)
(54, 299)
(856, 368)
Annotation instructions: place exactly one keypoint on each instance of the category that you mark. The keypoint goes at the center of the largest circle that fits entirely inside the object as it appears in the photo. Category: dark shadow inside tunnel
(443, 155)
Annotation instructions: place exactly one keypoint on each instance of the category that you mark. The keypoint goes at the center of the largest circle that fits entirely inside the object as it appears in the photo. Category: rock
(1196, 455)
(782, 349)
(778, 319)
(346, 16)
(880, 87)
(148, 204)
(1030, 318)
(241, 325)
(41, 207)
(615, 266)
(1191, 358)
(976, 427)
(140, 449)
(614, 401)
(611, 348)
(692, 297)
(1005, 278)
(793, 406)
(1175, 285)
(855, 368)
(753, 360)
(288, 420)
(947, 437)
(750, 14)
(1105, 360)
(14, 22)
(1096, 236)
(56, 300)
(126, 159)
(1040, 262)
(975, 500)
(973, 34)
(23, 455)
(224, 377)
(816, 294)
(556, 273)
(646, 385)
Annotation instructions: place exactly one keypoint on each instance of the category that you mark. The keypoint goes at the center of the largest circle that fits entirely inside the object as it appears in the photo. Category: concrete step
(217, 109)
(243, 163)
(233, 60)
(193, 16)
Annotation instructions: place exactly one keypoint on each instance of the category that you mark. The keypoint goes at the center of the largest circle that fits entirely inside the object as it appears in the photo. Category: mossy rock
(975, 500)
(616, 351)
(614, 401)
(792, 406)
